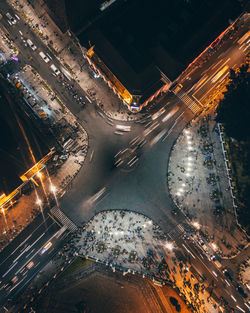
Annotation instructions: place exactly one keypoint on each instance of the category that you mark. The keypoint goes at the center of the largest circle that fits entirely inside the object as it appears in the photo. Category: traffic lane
(10, 252)
(224, 51)
(40, 261)
(33, 58)
(210, 272)
(23, 273)
(30, 34)
(33, 246)
(146, 190)
(232, 59)
(100, 173)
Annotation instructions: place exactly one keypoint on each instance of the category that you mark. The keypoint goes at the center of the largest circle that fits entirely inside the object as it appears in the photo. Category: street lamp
(39, 201)
(214, 246)
(53, 188)
(196, 225)
(39, 174)
(169, 246)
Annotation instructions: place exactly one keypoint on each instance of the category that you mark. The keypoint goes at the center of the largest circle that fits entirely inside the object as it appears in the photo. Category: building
(135, 88)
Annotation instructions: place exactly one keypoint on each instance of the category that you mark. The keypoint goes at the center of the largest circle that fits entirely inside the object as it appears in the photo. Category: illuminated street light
(214, 246)
(178, 194)
(39, 174)
(183, 185)
(188, 174)
(53, 188)
(39, 201)
(196, 225)
(190, 158)
(169, 246)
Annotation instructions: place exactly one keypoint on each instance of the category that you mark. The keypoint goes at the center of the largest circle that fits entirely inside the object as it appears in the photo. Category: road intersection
(141, 187)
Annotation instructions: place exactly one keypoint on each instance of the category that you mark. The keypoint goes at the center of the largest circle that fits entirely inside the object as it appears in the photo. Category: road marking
(189, 251)
(16, 285)
(29, 246)
(233, 298)
(9, 269)
(88, 99)
(25, 240)
(238, 307)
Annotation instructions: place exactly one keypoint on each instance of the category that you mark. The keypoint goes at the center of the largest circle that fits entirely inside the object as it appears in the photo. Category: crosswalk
(176, 232)
(190, 103)
(63, 219)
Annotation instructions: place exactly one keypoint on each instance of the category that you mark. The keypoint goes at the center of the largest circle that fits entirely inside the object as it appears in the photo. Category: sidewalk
(130, 242)
(60, 171)
(70, 54)
(198, 183)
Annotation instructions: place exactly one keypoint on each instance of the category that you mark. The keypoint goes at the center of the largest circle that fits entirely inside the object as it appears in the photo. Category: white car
(44, 57)
(32, 46)
(11, 18)
(55, 69)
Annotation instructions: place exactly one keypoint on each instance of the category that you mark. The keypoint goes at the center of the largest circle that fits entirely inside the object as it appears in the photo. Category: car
(32, 46)
(44, 57)
(55, 69)
(228, 273)
(30, 265)
(14, 280)
(174, 212)
(11, 18)
(46, 247)
(241, 291)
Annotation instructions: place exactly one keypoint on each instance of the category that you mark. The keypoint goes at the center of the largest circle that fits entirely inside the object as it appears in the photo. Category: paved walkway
(68, 51)
(64, 168)
(198, 182)
(131, 242)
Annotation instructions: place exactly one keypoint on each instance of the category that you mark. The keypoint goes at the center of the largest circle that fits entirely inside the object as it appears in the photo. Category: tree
(234, 108)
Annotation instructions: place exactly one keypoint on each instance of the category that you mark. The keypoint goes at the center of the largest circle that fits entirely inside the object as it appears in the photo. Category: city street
(102, 185)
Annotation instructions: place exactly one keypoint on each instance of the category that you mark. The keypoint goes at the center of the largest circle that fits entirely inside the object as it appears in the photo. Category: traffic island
(198, 182)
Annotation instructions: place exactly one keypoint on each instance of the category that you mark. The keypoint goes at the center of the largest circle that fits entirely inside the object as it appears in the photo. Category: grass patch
(60, 103)
(77, 264)
(53, 50)
(69, 68)
(46, 86)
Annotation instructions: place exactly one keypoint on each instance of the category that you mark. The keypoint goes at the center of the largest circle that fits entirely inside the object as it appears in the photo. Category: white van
(44, 57)
(30, 43)
(55, 69)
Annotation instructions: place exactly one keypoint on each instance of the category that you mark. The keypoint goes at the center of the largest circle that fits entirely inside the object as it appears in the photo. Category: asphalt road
(24, 252)
(142, 187)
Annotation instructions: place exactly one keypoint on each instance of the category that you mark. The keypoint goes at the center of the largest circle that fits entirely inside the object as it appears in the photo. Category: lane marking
(25, 240)
(9, 269)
